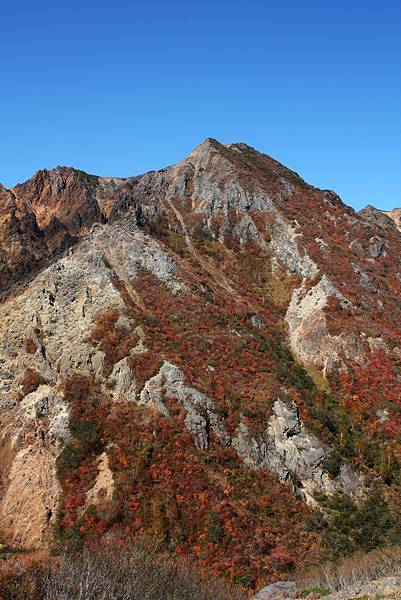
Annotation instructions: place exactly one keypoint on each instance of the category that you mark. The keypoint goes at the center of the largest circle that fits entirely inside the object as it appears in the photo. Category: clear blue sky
(122, 87)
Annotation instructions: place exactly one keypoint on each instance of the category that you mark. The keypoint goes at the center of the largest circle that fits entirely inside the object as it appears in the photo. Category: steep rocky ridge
(197, 352)
(395, 215)
(22, 245)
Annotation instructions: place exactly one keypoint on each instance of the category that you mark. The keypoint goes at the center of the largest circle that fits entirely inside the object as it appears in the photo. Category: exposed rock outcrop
(103, 488)
(285, 447)
(122, 381)
(45, 332)
(32, 439)
(296, 455)
(377, 216)
(286, 252)
(200, 418)
(309, 337)
(29, 505)
(395, 215)
(22, 245)
(285, 590)
(64, 196)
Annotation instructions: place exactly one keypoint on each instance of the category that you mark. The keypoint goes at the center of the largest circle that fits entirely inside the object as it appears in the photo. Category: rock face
(395, 215)
(63, 199)
(45, 331)
(285, 447)
(285, 590)
(379, 217)
(21, 242)
(295, 454)
(220, 328)
(102, 490)
(199, 419)
(33, 433)
(309, 336)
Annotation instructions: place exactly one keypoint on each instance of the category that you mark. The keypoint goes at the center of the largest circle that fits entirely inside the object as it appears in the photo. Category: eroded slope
(148, 374)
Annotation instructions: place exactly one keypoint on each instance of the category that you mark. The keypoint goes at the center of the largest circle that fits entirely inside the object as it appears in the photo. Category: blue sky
(122, 87)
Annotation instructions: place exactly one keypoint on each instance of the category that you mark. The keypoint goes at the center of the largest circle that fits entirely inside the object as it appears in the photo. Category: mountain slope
(207, 353)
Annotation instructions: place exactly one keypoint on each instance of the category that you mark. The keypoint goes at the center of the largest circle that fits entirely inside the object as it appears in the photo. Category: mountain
(394, 214)
(209, 353)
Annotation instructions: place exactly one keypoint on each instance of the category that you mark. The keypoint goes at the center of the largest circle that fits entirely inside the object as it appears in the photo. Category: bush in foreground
(135, 573)
(357, 569)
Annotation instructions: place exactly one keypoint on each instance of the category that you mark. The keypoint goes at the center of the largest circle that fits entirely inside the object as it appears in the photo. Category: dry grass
(356, 569)
(109, 572)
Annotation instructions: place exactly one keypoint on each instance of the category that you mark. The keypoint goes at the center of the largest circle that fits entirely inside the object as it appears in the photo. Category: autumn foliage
(206, 505)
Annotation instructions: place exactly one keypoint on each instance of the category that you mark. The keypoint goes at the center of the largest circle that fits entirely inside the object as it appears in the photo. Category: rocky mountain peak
(62, 195)
(239, 158)
(377, 216)
(205, 352)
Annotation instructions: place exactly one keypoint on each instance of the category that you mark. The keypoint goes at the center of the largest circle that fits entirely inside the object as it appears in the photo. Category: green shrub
(332, 464)
(69, 458)
(215, 530)
(350, 527)
(87, 431)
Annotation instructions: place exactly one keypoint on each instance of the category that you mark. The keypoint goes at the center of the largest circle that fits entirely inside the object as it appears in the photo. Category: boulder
(281, 590)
